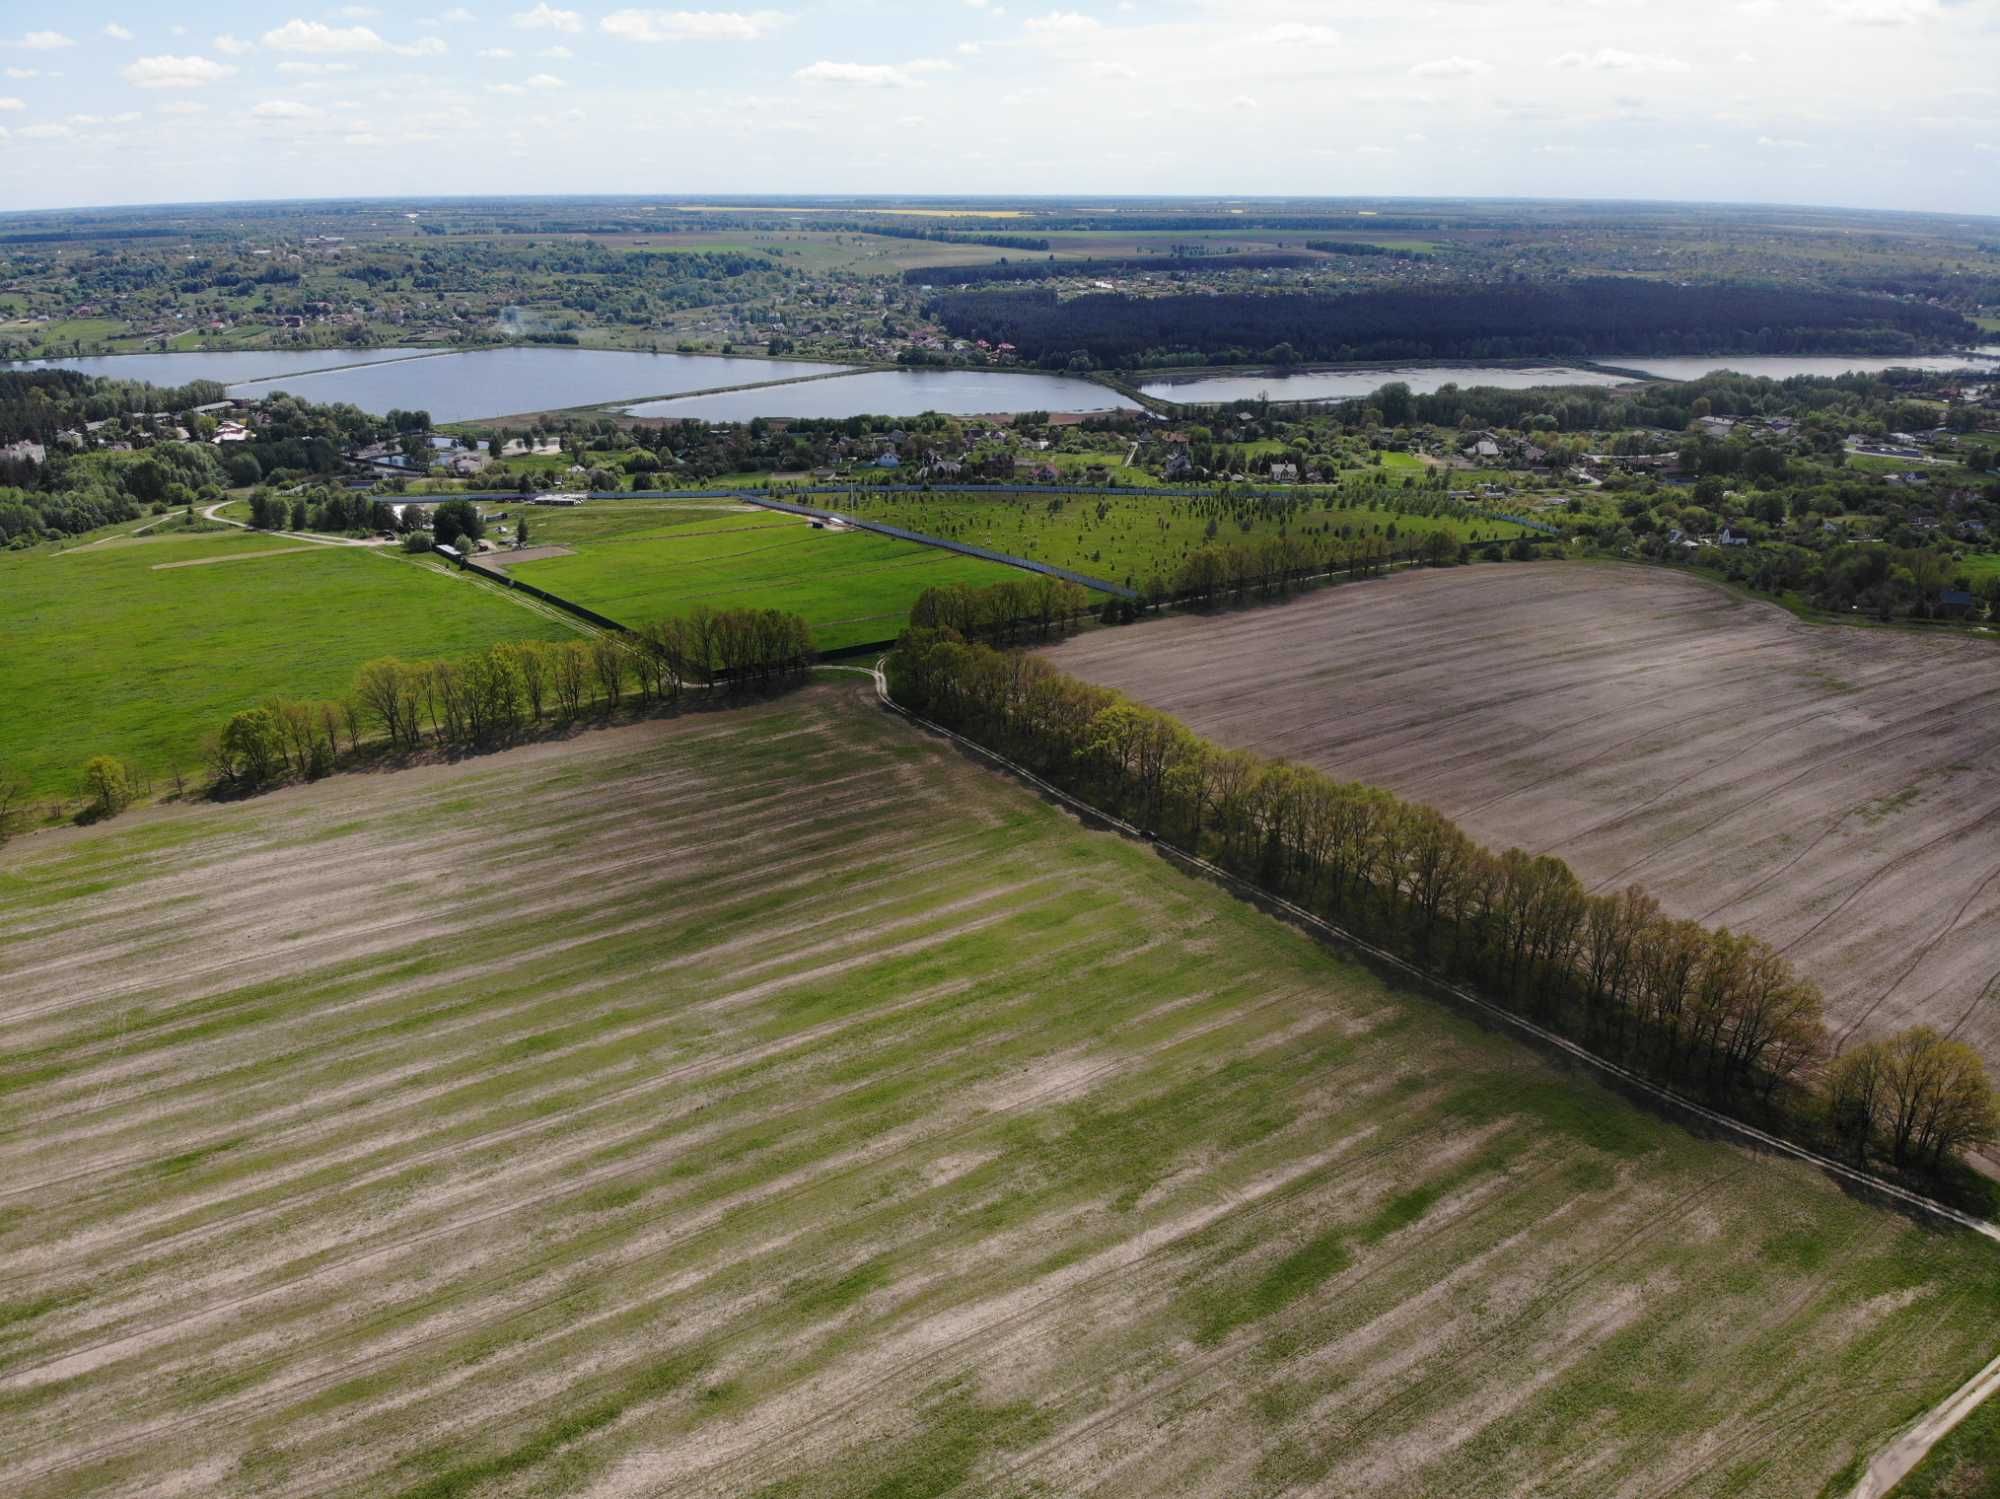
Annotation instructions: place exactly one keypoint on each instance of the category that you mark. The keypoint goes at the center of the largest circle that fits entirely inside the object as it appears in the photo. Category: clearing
(773, 1102)
(1829, 789)
(128, 649)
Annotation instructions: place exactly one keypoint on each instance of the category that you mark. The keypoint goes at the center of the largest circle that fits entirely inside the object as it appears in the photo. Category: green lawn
(108, 652)
(852, 586)
(1128, 538)
(774, 1102)
(1965, 1465)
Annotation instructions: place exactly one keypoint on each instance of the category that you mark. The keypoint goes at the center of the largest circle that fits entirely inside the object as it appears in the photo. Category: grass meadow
(639, 560)
(139, 647)
(1128, 538)
(773, 1102)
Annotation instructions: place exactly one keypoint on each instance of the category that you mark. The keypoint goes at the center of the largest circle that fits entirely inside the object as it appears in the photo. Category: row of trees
(1003, 612)
(495, 697)
(1713, 1012)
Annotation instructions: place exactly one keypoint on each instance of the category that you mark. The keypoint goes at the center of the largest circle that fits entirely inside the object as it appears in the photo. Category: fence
(603, 622)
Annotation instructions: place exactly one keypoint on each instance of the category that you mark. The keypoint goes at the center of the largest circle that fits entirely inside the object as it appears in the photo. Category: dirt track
(1829, 789)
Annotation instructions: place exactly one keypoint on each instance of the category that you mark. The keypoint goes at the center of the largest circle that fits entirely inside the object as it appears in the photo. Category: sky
(1861, 103)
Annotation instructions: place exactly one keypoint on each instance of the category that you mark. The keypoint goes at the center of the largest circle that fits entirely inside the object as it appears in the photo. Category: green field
(111, 652)
(640, 560)
(1965, 1465)
(775, 1103)
(1129, 538)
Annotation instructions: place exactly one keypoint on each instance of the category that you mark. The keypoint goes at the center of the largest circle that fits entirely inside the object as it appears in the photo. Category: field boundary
(1852, 1175)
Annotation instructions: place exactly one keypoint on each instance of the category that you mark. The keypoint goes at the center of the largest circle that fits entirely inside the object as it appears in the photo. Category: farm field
(636, 560)
(774, 1102)
(1827, 789)
(139, 647)
(1130, 538)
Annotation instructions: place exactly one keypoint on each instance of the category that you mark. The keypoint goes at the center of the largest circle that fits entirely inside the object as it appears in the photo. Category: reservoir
(250, 364)
(1785, 366)
(897, 393)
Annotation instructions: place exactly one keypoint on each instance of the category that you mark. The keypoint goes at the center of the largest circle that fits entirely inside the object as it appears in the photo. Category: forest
(1602, 315)
(1125, 265)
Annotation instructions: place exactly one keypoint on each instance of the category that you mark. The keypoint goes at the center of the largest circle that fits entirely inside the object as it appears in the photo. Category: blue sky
(1873, 103)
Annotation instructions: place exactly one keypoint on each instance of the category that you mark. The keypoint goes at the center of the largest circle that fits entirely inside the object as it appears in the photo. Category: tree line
(1051, 270)
(1609, 315)
(1002, 612)
(495, 697)
(1711, 1012)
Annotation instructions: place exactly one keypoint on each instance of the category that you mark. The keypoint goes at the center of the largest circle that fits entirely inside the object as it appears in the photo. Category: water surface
(506, 382)
(246, 364)
(1784, 366)
(897, 393)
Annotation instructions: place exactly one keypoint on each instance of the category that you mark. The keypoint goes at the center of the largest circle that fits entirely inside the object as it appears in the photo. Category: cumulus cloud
(1612, 60)
(691, 25)
(498, 54)
(1886, 12)
(6, 104)
(175, 72)
(1064, 23)
(116, 32)
(233, 46)
(184, 107)
(315, 69)
(42, 41)
(856, 75)
(43, 132)
(1451, 67)
(545, 17)
(283, 109)
(317, 36)
(1296, 34)
(24, 72)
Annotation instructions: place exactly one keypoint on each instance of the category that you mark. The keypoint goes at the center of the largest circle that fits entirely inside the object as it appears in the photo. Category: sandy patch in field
(1830, 789)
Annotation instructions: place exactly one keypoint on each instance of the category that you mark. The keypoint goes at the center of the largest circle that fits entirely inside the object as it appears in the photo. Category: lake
(179, 369)
(1336, 385)
(897, 393)
(1784, 366)
(505, 382)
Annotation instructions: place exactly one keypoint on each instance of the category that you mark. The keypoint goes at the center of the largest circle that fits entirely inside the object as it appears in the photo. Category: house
(1486, 447)
(888, 460)
(1715, 426)
(1731, 537)
(230, 432)
(465, 465)
(1956, 603)
(1179, 465)
(24, 452)
(1284, 473)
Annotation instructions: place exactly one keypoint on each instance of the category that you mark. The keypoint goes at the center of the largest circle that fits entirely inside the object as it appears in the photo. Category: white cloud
(1780, 143)
(1063, 23)
(691, 25)
(42, 41)
(1113, 70)
(545, 17)
(317, 36)
(233, 46)
(357, 12)
(498, 54)
(175, 72)
(43, 132)
(560, 54)
(546, 81)
(7, 104)
(24, 72)
(458, 15)
(184, 107)
(1451, 67)
(116, 32)
(315, 68)
(283, 109)
(1885, 12)
(856, 75)
(1296, 34)
(1612, 60)
(362, 138)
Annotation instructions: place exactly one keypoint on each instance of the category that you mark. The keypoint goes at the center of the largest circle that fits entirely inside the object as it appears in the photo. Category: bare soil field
(1831, 790)
(774, 1102)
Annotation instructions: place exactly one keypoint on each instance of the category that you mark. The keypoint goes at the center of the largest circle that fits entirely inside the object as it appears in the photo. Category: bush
(417, 541)
(107, 788)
